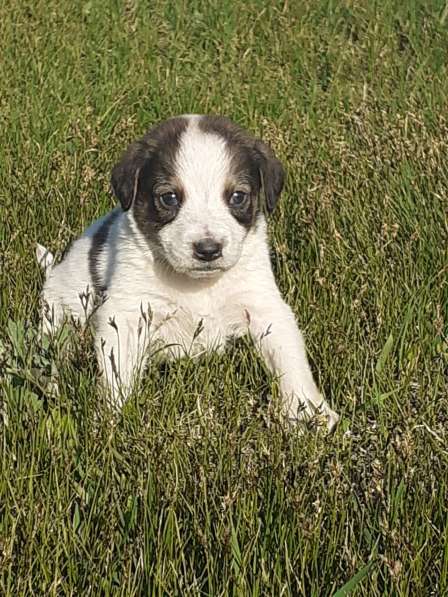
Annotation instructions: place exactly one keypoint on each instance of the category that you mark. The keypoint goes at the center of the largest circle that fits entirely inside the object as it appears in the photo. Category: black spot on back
(99, 239)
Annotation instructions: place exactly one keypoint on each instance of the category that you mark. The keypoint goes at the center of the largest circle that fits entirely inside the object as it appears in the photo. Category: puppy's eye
(169, 200)
(238, 199)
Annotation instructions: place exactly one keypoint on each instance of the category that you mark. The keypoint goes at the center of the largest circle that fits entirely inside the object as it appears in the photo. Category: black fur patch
(246, 214)
(146, 164)
(253, 162)
(99, 239)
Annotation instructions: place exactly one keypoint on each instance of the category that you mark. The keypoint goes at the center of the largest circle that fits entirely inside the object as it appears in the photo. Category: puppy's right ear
(125, 174)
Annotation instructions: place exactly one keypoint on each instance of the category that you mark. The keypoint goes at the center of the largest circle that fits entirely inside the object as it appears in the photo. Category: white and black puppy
(189, 246)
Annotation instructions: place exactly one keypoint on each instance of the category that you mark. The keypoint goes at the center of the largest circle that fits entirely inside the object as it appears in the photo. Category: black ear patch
(125, 175)
(152, 155)
(272, 174)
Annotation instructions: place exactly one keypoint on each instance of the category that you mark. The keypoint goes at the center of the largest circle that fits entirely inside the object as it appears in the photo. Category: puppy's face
(193, 184)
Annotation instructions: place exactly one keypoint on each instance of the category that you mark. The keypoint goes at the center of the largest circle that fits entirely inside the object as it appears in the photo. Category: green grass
(198, 489)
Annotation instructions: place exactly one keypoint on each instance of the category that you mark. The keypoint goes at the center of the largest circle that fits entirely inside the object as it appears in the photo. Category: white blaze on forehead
(202, 164)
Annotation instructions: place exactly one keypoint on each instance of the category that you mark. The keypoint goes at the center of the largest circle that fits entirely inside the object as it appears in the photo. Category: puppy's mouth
(205, 271)
(207, 268)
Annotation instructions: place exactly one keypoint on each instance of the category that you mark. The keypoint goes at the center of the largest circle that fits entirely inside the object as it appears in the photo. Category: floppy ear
(125, 174)
(272, 174)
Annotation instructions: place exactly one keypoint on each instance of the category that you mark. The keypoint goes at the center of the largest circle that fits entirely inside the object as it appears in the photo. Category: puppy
(183, 264)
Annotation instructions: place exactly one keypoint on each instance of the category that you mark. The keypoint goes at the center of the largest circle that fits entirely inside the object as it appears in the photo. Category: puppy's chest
(195, 325)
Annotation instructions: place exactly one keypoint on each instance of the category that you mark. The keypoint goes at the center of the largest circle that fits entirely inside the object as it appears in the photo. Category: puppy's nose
(207, 249)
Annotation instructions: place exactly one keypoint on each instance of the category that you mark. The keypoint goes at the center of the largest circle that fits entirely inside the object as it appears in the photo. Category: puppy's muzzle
(207, 249)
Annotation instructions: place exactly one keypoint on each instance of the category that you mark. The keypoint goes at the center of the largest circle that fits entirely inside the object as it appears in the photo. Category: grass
(198, 489)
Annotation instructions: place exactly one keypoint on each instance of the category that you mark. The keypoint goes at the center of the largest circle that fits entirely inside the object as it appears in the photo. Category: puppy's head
(194, 185)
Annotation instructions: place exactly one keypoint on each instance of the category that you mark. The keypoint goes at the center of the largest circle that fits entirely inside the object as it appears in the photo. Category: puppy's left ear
(272, 173)
(126, 174)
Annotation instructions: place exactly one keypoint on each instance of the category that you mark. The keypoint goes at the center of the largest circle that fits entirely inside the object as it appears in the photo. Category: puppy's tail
(44, 257)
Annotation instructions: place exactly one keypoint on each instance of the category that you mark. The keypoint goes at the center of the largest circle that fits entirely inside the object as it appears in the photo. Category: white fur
(152, 305)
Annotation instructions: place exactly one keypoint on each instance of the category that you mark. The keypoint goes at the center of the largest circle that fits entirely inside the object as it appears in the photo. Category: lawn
(198, 488)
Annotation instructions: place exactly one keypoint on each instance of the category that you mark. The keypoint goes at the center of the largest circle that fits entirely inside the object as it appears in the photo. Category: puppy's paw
(332, 419)
(323, 414)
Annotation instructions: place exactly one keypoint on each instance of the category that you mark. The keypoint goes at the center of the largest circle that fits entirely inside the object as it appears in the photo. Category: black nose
(207, 249)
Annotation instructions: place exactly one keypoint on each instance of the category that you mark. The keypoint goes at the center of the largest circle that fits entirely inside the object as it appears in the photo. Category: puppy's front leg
(274, 329)
(122, 340)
